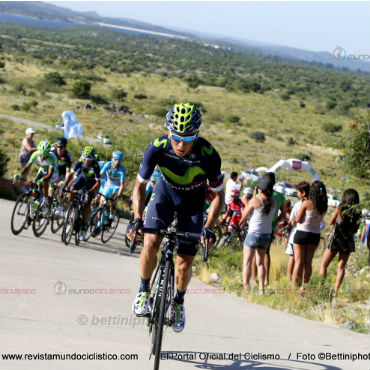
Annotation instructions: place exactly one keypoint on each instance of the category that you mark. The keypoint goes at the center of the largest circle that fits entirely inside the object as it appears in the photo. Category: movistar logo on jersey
(157, 143)
(205, 150)
(185, 179)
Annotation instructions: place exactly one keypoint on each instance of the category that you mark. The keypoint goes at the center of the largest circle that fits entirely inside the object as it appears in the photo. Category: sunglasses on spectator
(185, 139)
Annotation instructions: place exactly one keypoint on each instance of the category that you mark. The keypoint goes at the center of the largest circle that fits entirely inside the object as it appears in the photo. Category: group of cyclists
(87, 174)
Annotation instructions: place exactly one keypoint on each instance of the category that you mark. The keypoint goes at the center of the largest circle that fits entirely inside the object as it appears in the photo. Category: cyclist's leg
(189, 219)
(158, 216)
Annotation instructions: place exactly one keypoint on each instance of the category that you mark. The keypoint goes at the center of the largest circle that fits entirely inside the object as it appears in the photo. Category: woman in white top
(303, 189)
(259, 232)
(307, 236)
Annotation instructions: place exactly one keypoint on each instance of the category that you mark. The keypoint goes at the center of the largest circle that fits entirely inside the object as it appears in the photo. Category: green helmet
(44, 147)
(88, 152)
(183, 118)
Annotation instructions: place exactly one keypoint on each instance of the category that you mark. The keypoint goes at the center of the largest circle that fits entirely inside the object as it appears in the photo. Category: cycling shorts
(188, 207)
(108, 191)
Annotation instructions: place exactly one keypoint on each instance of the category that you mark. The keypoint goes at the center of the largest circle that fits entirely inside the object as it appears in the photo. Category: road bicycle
(73, 220)
(44, 214)
(100, 223)
(25, 208)
(162, 285)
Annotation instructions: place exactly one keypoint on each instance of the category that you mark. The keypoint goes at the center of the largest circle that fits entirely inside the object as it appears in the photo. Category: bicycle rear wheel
(162, 314)
(109, 229)
(20, 214)
(57, 221)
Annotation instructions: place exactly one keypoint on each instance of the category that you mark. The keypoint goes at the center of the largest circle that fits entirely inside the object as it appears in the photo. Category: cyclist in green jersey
(47, 172)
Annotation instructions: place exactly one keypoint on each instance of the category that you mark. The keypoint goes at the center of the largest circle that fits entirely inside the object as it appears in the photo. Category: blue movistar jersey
(91, 172)
(113, 177)
(202, 165)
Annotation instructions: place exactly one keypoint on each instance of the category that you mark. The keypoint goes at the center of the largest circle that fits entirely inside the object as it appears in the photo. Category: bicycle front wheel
(20, 214)
(68, 226)
(162, 314)
(109, 228)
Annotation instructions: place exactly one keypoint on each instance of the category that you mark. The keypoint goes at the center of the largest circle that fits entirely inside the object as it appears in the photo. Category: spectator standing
(279, 205)
(345, 222)
(303, 189)
(307, 236)
(28, 147)
(261, 210)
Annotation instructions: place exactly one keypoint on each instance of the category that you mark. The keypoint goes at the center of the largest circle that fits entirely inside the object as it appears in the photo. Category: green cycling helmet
(44, 147)
(183, 118)
(88, 152)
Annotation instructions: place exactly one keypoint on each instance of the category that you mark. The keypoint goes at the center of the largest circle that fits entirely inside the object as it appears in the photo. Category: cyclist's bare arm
(69, 177)
(25, 168)
(49, 174)
(96, 185)
(138, 199)
(215, 208)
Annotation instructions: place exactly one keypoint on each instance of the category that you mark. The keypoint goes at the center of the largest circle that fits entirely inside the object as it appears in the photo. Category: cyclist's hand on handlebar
(208, 234)
(137, 224)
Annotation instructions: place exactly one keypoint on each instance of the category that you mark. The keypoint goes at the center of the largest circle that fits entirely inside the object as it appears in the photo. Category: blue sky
(310, 25)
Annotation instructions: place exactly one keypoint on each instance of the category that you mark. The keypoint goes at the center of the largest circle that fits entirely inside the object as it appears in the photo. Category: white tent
(72, 127)
(295, 165)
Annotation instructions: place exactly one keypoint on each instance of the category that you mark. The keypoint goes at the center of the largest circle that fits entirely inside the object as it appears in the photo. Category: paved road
(43, 126)
(46, 321)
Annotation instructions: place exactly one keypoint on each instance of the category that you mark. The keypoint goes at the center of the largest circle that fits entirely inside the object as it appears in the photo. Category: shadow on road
(202, 362)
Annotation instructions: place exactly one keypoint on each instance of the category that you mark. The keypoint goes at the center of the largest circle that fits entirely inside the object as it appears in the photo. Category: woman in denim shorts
(261, 211)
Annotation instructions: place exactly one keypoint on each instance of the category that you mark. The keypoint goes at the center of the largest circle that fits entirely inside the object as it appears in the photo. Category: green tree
(356, 149)
(81, 89)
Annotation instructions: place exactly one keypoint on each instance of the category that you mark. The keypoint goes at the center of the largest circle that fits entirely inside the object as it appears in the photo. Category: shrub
(2, 80)
(193, 81)
(53, 79)
(302, 104)
(140, 96)
(118, 94)
(285, 96)
(81, 89)
(4, 159)
(97, 99)
(15, 107)
(331, 104)
(331, 128)
(259, 136)
(27, 106)
(234, 119)
(303, 156)
(2, 64)
(291, 141)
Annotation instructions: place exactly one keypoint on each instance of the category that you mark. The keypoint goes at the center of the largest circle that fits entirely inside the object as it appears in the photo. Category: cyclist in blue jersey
(188, 164)
(87, 178)
(113, 175)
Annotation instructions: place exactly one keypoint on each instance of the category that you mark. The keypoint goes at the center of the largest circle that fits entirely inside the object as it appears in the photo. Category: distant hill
(43, 11)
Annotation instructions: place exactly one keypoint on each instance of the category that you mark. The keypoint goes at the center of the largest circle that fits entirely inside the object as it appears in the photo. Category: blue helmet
(117, 155)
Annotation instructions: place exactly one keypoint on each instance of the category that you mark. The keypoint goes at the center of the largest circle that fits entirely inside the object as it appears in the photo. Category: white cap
(248, 191)
(30, 131)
